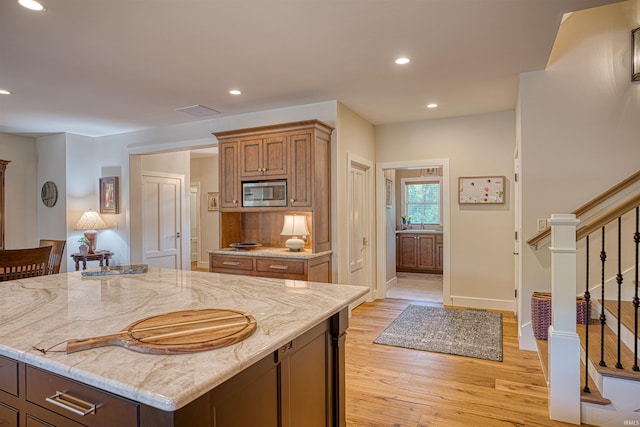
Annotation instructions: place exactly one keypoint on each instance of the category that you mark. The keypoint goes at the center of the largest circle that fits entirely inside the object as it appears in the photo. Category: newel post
(564, 343)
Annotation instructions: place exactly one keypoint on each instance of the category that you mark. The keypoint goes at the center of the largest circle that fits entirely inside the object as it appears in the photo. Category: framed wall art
(109, 195)
(473, 190)
(212, 202)
(388, 193)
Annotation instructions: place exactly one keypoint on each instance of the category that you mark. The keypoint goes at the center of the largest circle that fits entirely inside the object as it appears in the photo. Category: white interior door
(161, 221)
(360, 198)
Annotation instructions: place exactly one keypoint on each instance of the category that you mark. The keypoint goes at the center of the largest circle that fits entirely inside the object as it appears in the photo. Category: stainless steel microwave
(264, 193)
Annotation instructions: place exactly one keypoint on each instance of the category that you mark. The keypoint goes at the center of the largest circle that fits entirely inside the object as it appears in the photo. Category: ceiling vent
(198, 110)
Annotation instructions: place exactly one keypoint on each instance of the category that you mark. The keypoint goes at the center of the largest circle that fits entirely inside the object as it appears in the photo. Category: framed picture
(109, 195)
(388, 193)
(212, 201)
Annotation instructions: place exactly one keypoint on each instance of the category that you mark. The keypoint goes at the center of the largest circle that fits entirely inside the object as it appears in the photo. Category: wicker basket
(541, 313)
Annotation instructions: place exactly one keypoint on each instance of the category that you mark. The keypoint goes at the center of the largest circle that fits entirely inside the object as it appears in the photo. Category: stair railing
(597, 225)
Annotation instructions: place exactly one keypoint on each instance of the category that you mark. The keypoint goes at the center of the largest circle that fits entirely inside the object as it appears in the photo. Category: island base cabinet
(300, 384)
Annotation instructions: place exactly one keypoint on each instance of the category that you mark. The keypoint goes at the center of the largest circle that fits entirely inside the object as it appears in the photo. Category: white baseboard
(526, 339)
(489, 304)
(392, 282)
(202, 264)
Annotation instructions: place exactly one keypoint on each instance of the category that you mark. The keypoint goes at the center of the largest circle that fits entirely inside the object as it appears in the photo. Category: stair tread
(626, 309)
(593, 397)
(610, 352)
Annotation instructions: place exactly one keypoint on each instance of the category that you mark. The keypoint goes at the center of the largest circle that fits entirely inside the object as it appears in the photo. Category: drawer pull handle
(279, 267)
(73, 404)
(230, 263)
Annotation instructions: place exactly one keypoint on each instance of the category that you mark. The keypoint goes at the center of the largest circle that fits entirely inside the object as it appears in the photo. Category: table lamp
(90, 221)
(296, 227)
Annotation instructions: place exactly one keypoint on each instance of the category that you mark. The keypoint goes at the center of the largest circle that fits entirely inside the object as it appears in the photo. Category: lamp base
(91, 235)
(294, 244)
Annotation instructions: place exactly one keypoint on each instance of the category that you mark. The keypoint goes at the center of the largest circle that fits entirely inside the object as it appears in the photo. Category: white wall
(580, 127)
(481, 264)
(353, 135)
(52, 221)
(390, 228)
(21, 223)
(205, 171)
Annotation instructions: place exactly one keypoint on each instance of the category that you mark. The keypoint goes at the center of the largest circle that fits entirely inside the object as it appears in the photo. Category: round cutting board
(178, 332)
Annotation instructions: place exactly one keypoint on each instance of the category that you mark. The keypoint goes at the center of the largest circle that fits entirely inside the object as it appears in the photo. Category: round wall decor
(49, 194)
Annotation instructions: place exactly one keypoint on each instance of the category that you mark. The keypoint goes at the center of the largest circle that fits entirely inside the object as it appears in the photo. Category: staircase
(609, 344)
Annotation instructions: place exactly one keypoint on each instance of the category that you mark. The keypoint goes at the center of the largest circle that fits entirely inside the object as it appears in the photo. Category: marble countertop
(266, 251)
(48, 310)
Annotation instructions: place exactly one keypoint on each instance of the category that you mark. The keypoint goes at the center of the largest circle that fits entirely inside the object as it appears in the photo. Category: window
(422, 200)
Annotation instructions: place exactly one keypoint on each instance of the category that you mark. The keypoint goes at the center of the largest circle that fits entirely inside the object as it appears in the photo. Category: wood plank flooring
(398, 387)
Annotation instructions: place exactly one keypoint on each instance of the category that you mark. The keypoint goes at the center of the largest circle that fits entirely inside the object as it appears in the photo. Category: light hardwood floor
(390, 386)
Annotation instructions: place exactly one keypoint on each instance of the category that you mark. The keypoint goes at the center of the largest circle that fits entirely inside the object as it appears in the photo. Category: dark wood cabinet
(229, 185)
(299, 153)
(418, 252)
(316, 269)
(264, 157)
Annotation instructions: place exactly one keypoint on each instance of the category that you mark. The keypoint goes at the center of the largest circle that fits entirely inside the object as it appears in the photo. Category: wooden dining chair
(23, 263)
(55, 259)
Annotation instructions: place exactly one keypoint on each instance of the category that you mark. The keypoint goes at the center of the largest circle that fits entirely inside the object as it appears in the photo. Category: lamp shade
(295, 225)
(90, 220)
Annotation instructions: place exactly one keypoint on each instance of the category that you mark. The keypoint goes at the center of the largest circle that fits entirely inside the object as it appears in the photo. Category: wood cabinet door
(406, 251)
(229, 181)
(426, 252)
(275, 156)
(439, 256)
(300, 178)
(251, 157)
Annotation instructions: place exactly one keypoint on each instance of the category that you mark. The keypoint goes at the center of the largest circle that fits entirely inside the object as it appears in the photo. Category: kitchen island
(289, 372)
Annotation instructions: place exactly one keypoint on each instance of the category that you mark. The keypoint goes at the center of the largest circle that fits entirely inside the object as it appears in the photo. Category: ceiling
(104, 67)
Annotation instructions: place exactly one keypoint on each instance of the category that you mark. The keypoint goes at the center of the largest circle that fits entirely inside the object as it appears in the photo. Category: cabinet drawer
(232, 263)
(9, 376)
(65, 397)
(279, 266)
(8, 416)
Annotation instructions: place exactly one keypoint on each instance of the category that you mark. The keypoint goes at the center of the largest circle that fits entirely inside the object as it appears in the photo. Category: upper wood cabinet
(299, 152)
(229, 188)
(264, 157)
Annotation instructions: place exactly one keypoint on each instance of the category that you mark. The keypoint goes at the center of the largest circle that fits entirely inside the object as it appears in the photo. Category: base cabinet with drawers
(419, 252)
(314, 269)
(299, 384)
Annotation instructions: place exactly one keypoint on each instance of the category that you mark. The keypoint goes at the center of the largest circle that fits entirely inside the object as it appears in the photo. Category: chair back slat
(23, 263)
(57, 250)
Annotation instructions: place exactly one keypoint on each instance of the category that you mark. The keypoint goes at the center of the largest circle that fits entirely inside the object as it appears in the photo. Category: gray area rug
(471, 333)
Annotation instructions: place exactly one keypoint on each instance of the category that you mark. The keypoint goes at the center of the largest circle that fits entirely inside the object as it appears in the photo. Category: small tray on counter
(116, 270)
(245, 246)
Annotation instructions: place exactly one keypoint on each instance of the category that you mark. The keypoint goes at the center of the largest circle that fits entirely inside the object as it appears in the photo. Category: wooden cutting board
(178, 332)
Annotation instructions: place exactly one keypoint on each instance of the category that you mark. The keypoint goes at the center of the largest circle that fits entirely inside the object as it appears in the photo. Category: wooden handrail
(607, 217)
(622, 185)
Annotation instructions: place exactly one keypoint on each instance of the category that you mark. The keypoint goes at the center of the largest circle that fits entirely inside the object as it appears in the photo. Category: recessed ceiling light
(4, 92)
(32, 5)
(402, 61)
(235, 92)
(432, 105)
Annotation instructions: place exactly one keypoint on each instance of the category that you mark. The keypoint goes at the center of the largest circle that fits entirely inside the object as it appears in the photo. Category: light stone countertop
(267, 251)
(48, 310)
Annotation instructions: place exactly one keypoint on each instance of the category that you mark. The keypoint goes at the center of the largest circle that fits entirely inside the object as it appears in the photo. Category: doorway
(412, 284)
(361, 227)
(162, 217)
(194, 220)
